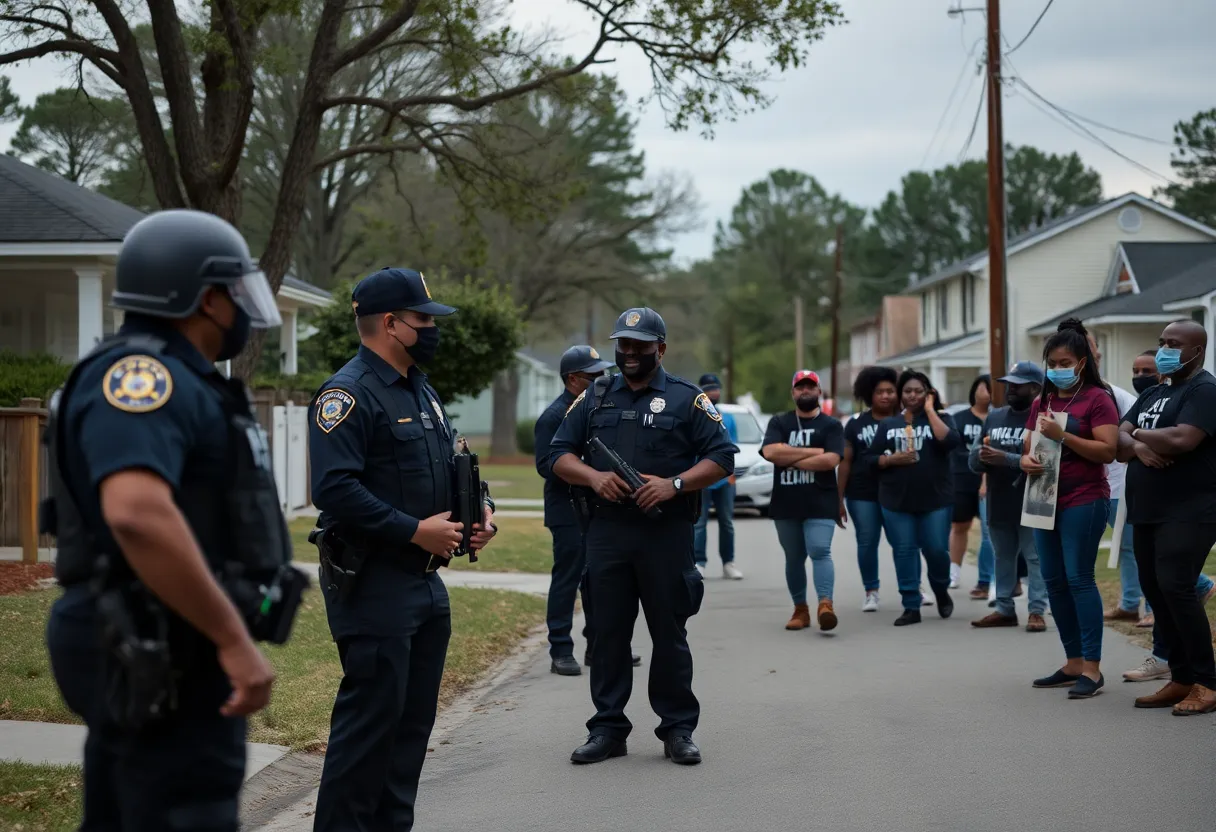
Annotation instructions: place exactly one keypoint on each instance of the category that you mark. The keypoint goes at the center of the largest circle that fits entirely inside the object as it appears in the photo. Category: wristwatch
(678, 482)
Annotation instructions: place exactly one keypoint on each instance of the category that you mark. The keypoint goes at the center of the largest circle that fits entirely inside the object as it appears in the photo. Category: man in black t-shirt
(805, 446)
(1169, 442)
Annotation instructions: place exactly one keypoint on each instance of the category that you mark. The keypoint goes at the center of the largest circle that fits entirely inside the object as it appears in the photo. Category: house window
(969, 299)
(943, 307)
(1198, 317)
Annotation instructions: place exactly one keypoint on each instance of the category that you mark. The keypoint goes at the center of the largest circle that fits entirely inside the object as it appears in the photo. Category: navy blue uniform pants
(567, 579)
(631, 560)
(182, 774)
(382, 720)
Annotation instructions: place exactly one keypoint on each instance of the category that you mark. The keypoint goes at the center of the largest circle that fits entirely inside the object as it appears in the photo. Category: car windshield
(748, 428)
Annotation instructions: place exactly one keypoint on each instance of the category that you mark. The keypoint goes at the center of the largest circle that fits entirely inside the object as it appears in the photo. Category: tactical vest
(240, 528)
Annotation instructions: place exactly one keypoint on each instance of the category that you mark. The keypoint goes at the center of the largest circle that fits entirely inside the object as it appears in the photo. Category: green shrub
(300, 383)
(525, 439)
(29, 376)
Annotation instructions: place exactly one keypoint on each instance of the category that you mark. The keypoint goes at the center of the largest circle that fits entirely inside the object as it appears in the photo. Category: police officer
(382, 449)
(640, 544)
(164, 505)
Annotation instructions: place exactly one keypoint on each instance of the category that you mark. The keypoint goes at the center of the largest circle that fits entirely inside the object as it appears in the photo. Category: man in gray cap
(579, 367)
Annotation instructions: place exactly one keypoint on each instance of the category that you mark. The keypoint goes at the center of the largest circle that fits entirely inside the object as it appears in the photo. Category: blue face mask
(1169, 361)
(1064, 378)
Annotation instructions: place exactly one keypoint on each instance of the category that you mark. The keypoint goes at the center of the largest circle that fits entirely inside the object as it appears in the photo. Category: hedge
(525, 438)
(29, 377)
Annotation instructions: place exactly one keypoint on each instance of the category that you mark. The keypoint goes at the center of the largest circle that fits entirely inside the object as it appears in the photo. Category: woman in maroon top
(1068, 552)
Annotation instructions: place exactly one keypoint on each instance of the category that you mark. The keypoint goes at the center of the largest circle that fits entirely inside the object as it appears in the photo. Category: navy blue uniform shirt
(558, 509)
(663, 429)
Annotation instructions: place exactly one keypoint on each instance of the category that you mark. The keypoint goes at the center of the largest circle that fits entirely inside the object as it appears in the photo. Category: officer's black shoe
(908, 617)
(680, 749)
(945, 604)
(565, 666)
(637, 660)
(598, 748)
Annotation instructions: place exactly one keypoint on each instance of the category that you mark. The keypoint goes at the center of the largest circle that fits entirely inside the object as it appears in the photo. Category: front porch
(951, 365)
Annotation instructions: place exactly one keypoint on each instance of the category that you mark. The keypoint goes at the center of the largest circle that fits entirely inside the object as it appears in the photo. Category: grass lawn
(520, 481)
(522, 544)
(39, 798)
(486, 625)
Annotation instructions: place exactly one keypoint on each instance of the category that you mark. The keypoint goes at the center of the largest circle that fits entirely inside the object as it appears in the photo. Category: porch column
(89, 310)
(289, 338)
(1209, 323)
(937, 375)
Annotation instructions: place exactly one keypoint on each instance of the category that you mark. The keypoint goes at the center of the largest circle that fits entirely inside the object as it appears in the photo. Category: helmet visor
(253, 295)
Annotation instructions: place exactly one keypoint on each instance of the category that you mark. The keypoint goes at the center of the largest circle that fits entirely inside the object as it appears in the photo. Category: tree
(194, 160)
(1194, 163)
(73, 134)
(477, 342)
(10, 104)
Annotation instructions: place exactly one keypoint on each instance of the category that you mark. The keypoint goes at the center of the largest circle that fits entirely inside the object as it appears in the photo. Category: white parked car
(753, 474)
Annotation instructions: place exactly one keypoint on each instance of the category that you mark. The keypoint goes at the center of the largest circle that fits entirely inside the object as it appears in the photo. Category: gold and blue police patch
(137, 384)
(703, 402)
(333, 406)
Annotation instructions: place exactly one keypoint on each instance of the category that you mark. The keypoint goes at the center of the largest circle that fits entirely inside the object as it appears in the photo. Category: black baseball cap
(709, 381)
(1024, 372)
(640, 324)
(582, 359)
(392, 290)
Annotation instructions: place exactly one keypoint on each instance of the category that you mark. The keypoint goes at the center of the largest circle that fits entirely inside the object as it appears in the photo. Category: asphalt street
(929, 727)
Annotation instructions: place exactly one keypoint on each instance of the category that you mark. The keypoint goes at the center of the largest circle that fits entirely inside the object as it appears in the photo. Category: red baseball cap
(804, 375)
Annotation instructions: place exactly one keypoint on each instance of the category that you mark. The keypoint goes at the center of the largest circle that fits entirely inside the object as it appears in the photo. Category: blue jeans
(802, 539)
(723, 499)
(1011, 544)
(1129, 574)
(1067, 555)
(867, 524)
(910, 536)
(987, 557)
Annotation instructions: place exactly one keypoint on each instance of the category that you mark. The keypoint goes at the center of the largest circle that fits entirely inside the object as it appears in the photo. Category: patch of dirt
(16, 578)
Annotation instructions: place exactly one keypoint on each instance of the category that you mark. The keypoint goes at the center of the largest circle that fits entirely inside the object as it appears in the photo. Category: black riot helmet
(640, 324)
(168, 259)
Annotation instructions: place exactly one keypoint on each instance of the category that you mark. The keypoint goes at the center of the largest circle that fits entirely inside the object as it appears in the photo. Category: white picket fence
(289, 448)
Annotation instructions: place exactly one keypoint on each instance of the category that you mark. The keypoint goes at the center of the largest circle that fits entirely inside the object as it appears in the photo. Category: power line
(979, 107)
(950, 101)
(1033, 26)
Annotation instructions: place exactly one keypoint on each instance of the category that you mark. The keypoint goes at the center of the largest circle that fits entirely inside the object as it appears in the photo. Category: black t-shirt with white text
(863, 476)
(969, 428)
(1004, 429)
(798, 494)
(1186, 490)
(928, 484)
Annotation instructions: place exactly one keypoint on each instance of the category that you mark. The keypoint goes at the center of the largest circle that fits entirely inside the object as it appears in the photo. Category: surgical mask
(646, 363)
(422, 350)
(1019, 401)
(807, 403)
(1142, 383)
(1169, 361)
(1064, 378)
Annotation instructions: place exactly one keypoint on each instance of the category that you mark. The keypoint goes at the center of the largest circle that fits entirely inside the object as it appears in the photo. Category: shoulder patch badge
(702, 401)
(574, 403)
(137, 384)
(333, 406)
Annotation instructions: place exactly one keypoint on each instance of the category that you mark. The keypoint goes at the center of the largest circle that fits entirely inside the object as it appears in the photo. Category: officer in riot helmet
(173, 552)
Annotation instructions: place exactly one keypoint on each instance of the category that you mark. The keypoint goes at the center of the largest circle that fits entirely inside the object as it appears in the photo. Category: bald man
(1169, 442)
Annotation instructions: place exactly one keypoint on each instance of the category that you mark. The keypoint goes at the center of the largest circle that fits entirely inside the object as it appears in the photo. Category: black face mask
(646, 364)
(235, 336)
(1019, 401)
(807, 403)
(1142, 383)
(423, 350)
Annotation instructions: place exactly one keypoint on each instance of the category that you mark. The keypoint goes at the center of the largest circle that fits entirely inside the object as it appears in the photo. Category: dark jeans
(867, 525)
(183, 774)
(569, 566)
(723, 500)
(382, 719)
(1014, 546)
(912, 535)
(1067, 555)
(1170, 557)
(634, 559)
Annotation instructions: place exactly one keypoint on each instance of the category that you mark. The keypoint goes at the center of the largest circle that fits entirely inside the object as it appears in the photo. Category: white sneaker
(701, 569)
(871, 604)
(731, 572)
(956, 572)
(926, 599)
(1147, 671)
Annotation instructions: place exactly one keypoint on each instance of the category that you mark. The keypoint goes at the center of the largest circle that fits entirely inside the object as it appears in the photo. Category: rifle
(623, 470)
(470, 505)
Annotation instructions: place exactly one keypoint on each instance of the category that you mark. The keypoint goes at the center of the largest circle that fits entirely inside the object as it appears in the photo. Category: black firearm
(340, 563)
(470, 505)
(623, 470)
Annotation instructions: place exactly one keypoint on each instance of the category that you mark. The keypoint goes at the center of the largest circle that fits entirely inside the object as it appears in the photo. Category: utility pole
(836, 307)
(590, 319)
(997, 321)
(799, 352)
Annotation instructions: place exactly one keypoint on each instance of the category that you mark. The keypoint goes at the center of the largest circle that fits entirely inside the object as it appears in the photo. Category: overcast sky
(866, 107)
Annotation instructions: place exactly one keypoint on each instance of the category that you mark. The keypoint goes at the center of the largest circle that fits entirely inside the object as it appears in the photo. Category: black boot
(599, 747)
(909, 617)
(945, 604)
(565, 666)
(681, 750)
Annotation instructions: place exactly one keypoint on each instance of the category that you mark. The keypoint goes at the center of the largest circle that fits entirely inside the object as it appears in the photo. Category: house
(895, 329)
(1070, 266)
(539, 385)
(58, 246)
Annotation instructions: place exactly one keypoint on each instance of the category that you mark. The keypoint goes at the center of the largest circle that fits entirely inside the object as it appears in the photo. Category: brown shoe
(1120, 614)
(1147, 622)
(980, 593)
(826, 615)
(1200, 701)
(801, 619)
(995, 619)
(1167, 697)
(1035, 624)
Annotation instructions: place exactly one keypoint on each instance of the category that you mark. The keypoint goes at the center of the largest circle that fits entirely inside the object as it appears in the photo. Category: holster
(268, 603)
(139, 684)
(341, 563)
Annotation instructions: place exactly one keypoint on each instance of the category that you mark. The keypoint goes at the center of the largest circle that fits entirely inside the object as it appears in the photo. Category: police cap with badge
(640, 324)
(582, 359)
(395, 290)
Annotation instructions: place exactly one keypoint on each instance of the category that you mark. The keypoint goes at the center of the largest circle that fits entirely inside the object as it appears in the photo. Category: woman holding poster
(1075, 427)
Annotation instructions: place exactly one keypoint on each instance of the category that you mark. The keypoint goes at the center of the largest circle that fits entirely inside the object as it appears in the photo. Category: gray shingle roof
(917, 352)
(1154, 263)
(39, 207)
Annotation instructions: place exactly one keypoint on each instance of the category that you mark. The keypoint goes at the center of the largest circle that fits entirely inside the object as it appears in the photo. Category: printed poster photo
(1039, 501)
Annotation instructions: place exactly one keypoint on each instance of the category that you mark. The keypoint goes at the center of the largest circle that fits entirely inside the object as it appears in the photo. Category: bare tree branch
(377, 36)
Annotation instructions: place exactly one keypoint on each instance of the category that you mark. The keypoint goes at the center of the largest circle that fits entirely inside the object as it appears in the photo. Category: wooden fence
(23, 477)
